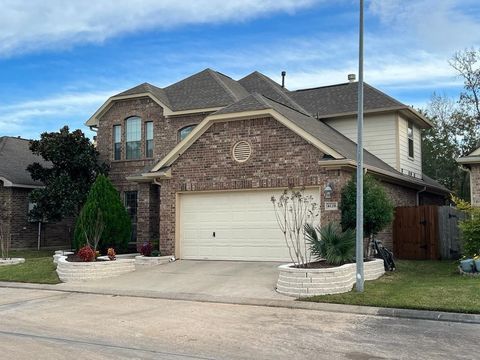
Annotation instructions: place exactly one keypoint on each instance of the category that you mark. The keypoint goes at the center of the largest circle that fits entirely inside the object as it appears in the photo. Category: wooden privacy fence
(426, 232)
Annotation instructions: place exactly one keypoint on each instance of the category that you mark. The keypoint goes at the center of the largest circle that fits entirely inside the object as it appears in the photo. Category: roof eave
(167, 111)
(173, 155)
(469, 160)
(8, 183)
(421, 120)
(414, 183)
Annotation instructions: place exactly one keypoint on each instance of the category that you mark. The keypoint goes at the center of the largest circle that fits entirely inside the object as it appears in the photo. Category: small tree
(4, 239)
(469, 228)
(72, 169)
(293, 210)
(103, 219)
(377, 207)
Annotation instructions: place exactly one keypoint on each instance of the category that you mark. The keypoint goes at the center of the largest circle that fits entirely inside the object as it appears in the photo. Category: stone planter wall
(84, 271)
(11, 261)
(151, 260)
(59, 253)
(308, 282)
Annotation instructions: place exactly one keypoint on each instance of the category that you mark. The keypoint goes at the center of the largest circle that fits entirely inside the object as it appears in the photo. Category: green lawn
(430, 285)
(38, 268)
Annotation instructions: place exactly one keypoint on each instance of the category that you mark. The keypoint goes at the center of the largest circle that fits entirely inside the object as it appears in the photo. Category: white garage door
(237, 225)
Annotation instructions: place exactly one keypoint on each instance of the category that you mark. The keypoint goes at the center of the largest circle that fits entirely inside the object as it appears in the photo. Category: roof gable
(257, 82)
(15, 156)
(206, 89)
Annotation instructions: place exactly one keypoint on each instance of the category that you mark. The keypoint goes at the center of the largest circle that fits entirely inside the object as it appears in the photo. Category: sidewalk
(338, 308)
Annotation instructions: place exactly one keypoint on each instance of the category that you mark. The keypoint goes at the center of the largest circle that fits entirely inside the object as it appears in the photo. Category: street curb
(290, 304)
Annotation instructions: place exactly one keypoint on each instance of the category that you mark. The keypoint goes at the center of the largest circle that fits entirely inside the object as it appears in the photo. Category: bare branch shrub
(294, 209)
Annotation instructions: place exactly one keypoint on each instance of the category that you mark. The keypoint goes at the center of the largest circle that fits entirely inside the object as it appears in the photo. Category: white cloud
(28, 25)
(445, 25)
(50, 113)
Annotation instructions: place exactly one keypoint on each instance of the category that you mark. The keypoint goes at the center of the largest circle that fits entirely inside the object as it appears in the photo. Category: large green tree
(456, 130)
(73, 167)
(440, 146)
(105, 206)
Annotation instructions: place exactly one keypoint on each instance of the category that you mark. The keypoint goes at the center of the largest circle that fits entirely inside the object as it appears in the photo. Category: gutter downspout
(418, 195)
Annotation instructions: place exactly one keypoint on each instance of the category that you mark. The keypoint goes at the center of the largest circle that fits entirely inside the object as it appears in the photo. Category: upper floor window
(133, 136)
(117, 142)
(149, 139)
(410, 139)
(183, 133)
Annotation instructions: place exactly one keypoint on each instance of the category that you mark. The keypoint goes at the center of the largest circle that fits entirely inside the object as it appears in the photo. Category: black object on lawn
(381, 252)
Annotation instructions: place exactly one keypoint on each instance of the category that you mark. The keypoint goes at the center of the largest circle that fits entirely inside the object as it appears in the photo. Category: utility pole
(359, 233)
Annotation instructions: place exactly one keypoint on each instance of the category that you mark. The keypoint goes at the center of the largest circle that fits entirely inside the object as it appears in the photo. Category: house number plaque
(331, 205)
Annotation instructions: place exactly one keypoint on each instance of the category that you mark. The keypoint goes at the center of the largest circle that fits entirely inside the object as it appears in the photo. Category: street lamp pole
(359, 232)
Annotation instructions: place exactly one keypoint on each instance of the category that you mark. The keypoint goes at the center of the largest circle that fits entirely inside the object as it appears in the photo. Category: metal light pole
(359, 240)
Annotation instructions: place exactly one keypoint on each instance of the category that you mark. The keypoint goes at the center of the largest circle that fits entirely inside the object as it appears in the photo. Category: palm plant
(337, 247)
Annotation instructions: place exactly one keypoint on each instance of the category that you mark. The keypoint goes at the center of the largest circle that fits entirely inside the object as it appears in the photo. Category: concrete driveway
(226, 279)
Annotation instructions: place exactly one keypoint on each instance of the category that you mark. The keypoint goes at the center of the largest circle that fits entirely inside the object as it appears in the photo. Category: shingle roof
(210, 89)
(206, 89)
(258, 83)
(429, 181)
(15, 156)
(342, 98)
(159, 93)
(323, 132)
(314, 127)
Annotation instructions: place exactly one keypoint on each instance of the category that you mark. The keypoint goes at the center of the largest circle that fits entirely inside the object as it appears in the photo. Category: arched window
(183, 132)
(133, 137)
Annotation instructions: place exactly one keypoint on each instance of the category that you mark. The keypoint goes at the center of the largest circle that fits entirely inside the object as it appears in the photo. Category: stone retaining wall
(83, 271)
(11, 261)
(308, 282)
(151, 260)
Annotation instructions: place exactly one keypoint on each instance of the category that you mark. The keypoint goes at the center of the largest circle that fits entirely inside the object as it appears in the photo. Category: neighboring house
(15, 185)
(472, 163)
(198, 161)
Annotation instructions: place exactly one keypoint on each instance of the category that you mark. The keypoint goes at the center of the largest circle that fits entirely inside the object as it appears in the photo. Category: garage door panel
(232, 226)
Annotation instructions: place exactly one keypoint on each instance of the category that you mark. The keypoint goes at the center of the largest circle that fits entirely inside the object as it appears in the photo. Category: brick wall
(279, 158)
(400, 196)
(165, 138)
(24, 234)
(475, 184)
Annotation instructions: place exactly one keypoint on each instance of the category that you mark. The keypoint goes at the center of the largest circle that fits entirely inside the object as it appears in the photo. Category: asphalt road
(39, 324)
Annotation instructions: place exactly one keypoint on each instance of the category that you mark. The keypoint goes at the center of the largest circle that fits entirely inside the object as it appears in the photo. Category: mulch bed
(316, 265)
(76, 258)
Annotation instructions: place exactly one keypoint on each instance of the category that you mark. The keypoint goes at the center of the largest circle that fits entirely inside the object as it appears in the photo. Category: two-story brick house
(198, 161)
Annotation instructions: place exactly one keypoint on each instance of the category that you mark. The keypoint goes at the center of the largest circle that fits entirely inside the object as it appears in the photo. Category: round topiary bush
(103, 204)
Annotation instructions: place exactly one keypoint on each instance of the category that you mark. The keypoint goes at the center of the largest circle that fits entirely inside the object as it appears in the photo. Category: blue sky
(59, 61)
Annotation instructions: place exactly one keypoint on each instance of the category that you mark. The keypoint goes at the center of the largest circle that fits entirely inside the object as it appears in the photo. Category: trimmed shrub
(337, 247)
(377, 206)
(103, 199)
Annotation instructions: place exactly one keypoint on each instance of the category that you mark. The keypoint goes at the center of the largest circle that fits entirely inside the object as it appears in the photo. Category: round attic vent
(242, 151)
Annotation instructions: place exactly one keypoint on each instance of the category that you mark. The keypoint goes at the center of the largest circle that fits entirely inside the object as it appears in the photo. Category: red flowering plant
(86, 254)
(146, 249)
